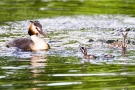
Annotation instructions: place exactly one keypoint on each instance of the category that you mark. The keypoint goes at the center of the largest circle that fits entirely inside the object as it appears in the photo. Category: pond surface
(63, 66)
(69, 25)
(12, 10)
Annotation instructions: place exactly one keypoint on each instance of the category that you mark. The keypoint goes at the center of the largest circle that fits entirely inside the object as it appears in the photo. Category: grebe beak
(40, 31)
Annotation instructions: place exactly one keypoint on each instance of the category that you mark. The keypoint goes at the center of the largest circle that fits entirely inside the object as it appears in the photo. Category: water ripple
(98, 74)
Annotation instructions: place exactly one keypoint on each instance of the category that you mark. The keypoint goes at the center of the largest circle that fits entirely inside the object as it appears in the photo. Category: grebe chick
(121, 44)
(86, 56)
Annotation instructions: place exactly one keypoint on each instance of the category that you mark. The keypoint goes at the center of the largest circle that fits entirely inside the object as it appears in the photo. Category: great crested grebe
(32, 43)
(122, 44)
(86, 56)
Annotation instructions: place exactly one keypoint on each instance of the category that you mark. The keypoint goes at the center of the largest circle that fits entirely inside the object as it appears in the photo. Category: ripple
(63, 83)
(98, 74)
(2, 77)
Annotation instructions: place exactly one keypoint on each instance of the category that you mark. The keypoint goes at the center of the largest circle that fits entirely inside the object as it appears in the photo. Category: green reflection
(57, 72)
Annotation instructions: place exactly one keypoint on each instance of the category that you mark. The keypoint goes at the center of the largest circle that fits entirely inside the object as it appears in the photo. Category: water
(63, 66)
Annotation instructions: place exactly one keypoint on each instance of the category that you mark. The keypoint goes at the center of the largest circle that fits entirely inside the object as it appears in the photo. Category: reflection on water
(38, 61)
(42, 71)
(38, 64)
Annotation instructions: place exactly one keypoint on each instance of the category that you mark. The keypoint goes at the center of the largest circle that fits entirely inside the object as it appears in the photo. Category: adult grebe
(32, 43)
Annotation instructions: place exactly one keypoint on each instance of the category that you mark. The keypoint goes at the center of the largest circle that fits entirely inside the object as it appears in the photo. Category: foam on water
(79, 30)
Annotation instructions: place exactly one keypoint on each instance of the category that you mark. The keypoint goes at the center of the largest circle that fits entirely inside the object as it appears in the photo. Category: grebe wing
(22, 43)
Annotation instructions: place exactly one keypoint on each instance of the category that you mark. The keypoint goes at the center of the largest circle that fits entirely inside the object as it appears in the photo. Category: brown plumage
(116, 44)
(32, 43)
(121, 44)
(86, 56)
(20, 43)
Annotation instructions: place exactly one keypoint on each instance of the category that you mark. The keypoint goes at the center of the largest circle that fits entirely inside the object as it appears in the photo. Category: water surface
(68, 25)
(63, 66)
(26, 9)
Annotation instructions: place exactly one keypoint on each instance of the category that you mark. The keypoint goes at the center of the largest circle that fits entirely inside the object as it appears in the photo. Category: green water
(22, 74)
(11, 10)
(60, 72)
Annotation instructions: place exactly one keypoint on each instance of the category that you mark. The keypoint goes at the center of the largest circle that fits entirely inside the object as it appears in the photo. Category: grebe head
(35, 28)
(124, 33)
(84, 50)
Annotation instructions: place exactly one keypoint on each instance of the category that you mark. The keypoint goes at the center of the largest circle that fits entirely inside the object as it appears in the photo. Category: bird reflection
(37, 63)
